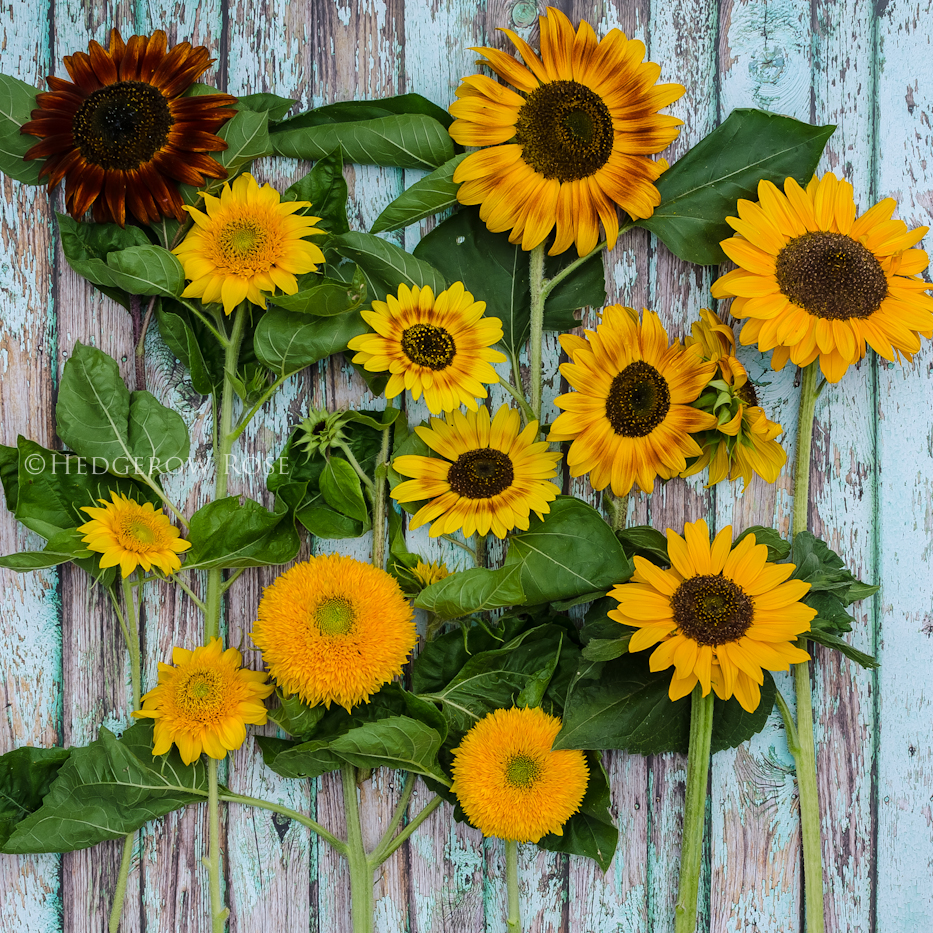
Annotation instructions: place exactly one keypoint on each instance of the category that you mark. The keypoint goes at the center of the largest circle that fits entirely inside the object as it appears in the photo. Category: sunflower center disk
(638, 400)
(481, 474)
(334, 617)
(522, 771)
(565, 131)
(831, 276)
(138, 536)
(712, 610)
(200, 693)
(123, 125)
(746, 392)
(242, 241)
(429, 346)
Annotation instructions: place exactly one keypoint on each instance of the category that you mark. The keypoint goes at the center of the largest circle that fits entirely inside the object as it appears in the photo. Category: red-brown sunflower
(122, 135)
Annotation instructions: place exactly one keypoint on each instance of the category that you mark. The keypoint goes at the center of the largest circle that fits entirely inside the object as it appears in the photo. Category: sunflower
(571, 143)
(122, 135)
(439, 346)
(132, 534)
(492, 476)
(815, 281)
(204, 702)
(722, 614)
(426, 574)
(509, 781)
(247, 243)
(334, 630)
(630, 417)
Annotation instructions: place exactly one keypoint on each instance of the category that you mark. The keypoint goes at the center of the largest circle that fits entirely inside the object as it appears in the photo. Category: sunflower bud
(321, 430)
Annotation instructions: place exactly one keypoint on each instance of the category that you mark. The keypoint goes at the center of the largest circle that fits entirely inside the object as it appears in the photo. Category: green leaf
(475, 590)
(326, 188)
(496, 271)
(385, 265)
(63, 547)
(9, 469)
(701, 189)
(352, 111)
(106, 790)
(343, 491)
(605, 649)
(403, 141)
(17, 101)
(302, 760)
(831, 621)
(413, 445)
(396, 742)
(819, 565)
(146, 270)
(295, 717)
(644, 541)
(247, 138)
(323, 522)
(732, 725)
(533, 692)
(193, 344)
(778, 548)
(225, 533)
(286, 342)
(428, 196)
(26, 775)
(276, 107)
(323, 297)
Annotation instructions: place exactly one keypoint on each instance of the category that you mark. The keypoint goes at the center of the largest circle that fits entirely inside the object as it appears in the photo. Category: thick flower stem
(119, 894)
(691, 853)
(805, 753)
(362, 902)
(380, 475)
(219, 912)
(536, 337)
(514, 920)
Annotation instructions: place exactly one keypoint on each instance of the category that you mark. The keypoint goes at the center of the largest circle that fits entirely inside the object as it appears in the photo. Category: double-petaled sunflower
(122, 135)
(510, 782)
(204, 702)
(816, 281)
(630, 418)
(440, 346)
(570, 145)
(721, 614)
(492, 476)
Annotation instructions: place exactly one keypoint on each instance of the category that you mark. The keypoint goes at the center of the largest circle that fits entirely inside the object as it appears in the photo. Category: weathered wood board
(865, 66)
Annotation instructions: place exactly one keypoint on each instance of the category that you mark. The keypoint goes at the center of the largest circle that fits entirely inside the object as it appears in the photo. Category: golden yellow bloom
(131, 534)
(815, 281)
(509, 781)
(492, 477)
(204, 702)
(426, 574)
(721, 614)
(630, 418)
(570, 145)
(440, 346)
(248, 242)
(334, 630)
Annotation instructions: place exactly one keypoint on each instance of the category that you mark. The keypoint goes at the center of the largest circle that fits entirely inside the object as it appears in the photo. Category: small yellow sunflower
(492, 477)
(570, 145)
(509, 781)
(630, 418)
(131, 534)
(204, 702)
(440, 346)
(334, 630)
(815, 281)
(426, 574)
(721, 614)
(248, 242)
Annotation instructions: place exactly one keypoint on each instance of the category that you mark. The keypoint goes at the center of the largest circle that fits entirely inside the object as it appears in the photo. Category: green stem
(536, 337)
(362, 901)
(360, 472)
(379, 854)
(132, 642)
(154, 486)
(408, 830)
(219, 912)
(232, 579)
(221, 339)
(559, 277)
(176, 579)
(245, 420)
(462, 545)
(119, 894)
(480, 552)
(617, 507)
(691, 853)
(527, 414)
(380, 475)
(805, 755)
(514, 920)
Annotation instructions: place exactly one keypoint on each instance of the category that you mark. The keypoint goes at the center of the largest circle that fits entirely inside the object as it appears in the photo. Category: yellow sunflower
(426, 574)
(630, 418)
(492, 476)
(204, 702)
(570, 145)
(509, 781)
(815, 281)
(334, 630)
(131, 534)
(439, 346)
(721, 614)
(248, 242)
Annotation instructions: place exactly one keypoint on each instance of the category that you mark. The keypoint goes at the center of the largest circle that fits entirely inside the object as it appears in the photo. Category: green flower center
(565, 131)
(199, 694)
(712, 610)
(481, 474)
(123, 125)
(429, 346)
(522, 771)
(638, 400)
(831, 276)
(334, 616)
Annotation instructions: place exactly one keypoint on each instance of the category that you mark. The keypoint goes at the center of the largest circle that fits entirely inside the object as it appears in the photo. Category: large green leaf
(701, 189)
(277, 107)
(819, 565)
(326, 188)
(496, 271)
(247, 138)
(475, 590)
(424, 198)
(63, 547)
(17, 101)
(26, 775)
(194, 345)
(323, 297)
(286, 342)
(396, 742)
(831, 621)
(146, 270)
(353, 111)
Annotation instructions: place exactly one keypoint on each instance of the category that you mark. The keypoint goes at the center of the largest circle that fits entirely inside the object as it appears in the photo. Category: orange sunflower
(122, 135)
(817, 281)
(570, 145)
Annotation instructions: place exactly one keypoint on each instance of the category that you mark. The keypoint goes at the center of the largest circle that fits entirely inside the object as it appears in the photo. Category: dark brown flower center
(638, 400)
(429, 346)
(712, 610)
(747, 394)
(481, 474)
(832, 276)
(123, 125)
(565, 131)
(522, 771)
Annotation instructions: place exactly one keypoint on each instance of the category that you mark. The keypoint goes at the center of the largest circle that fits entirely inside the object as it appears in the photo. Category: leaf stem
(360, 472)
(141, 340)
(177, 580)
(219, 912)
(223, 340)
(119, 894)
(691, 853)
(527, 414)
(514, 919)
(226, 584)
(460, 544)
(245, 420)
(132, 641)
(380, 475)
(409, 829)
(536, 337)
(551, 284)
(361, 873)
(381, 852)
